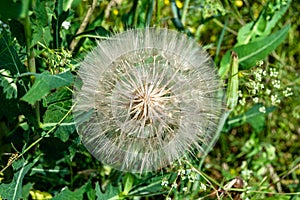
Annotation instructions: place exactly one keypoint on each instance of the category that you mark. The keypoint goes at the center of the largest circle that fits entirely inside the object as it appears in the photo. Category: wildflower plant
(145, 98)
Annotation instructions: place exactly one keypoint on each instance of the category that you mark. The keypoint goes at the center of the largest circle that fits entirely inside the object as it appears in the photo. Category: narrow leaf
(255, 51)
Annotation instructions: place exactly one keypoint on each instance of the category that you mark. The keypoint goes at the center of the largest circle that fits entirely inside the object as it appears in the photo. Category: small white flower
(268, 91)
(287, 92)
(273, 72)
(66, 25)
(174, 185)
(246, 173)
(202, 186)
(181, 172)
(242, 101)
(184, 189)
(255, 99)
(276, 83)
(165, 183)
(192, 177)
(262, 109)
(240, 94)
(274, 99)
(260, 63)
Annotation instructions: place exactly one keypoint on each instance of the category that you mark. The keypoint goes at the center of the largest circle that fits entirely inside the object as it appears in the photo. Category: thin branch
(83, 25)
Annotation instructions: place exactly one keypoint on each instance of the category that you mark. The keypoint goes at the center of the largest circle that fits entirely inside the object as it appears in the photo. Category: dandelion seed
(146, 97)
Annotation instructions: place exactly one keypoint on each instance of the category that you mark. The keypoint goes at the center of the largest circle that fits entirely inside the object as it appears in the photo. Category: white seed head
(144, 98)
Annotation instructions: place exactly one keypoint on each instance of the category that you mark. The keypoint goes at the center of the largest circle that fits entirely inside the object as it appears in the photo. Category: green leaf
(58, 104)
(111, 192)
(46, 82)
(13, 190)
(40, 25)
(255, 51)
(129, 179)
(67, 194)
(253, 116)
(26, 189)
(9, 87)
(9, 57)
(233, 82)
(264, 23)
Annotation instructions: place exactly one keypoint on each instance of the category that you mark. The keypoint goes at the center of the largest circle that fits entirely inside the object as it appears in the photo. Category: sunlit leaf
(264, 23)
(46, 82)
(253, 52)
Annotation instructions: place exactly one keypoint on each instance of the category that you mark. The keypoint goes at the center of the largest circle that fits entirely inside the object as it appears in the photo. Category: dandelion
(144, 98)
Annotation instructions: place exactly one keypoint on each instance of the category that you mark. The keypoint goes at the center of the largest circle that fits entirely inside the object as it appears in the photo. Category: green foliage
(259, 143)
(13, 190)
(44, 83)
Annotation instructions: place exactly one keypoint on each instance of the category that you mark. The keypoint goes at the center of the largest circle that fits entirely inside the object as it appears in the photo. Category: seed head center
(147, 103)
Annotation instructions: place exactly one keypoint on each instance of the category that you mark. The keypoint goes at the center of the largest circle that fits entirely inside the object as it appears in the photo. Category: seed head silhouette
(145, 98)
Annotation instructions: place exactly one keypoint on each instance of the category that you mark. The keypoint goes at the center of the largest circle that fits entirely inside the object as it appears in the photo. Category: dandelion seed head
(145, 98)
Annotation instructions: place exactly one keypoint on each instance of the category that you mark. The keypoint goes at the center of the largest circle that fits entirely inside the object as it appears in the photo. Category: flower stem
(30, 54)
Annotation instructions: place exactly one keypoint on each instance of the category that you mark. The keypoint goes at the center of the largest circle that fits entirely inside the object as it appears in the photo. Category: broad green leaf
(58, 104)
(40, 24)
(25, 190)
(9, 87)
(253, 116)
(9, 57)
(46, 82)
(264, 24)
(253, 52)
(111, 192)
(13, 190)
(67, 194)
